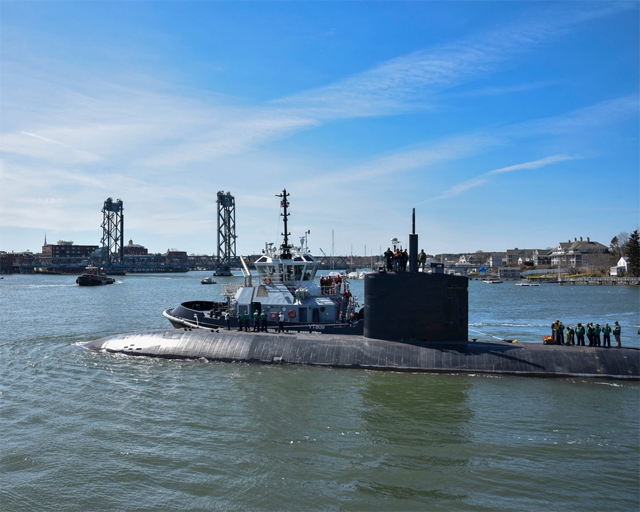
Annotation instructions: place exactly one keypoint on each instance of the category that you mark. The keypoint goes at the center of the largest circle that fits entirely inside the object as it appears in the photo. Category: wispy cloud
(89, 121)
(499, 91)
(462, 146)
(72, 137)
(408, 159)
(462, 187)
(598, 115)
(533, 165)
(484, 178)
(44, 148)
(411, 81)
(43, 138)
(235, 137)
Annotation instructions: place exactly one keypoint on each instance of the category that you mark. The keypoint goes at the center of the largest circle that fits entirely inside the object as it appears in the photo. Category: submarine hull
(503, 358)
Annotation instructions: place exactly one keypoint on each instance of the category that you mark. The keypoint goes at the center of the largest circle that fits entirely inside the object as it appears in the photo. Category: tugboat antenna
(285, 247)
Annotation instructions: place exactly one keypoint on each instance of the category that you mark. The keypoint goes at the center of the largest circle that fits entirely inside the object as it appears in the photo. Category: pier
(600, 281)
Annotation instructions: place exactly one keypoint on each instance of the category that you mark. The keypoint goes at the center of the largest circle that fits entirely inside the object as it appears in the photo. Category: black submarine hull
(523, 359)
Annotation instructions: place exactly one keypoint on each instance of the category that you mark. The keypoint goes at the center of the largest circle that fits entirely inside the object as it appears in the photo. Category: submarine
(413, 321)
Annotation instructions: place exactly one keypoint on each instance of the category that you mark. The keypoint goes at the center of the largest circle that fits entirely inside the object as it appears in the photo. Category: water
(85, 431)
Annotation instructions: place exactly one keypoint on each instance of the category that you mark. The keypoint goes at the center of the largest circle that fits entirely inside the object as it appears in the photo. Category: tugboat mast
(285, 247)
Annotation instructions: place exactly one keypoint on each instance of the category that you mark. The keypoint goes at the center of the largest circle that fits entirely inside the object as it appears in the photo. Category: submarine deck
(525, 359)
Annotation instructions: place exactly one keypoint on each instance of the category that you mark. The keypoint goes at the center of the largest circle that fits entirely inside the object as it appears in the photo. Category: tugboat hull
(94, 280)
(185, 317)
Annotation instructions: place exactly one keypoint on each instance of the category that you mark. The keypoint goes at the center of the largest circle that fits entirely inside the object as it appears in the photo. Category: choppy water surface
(84, 431)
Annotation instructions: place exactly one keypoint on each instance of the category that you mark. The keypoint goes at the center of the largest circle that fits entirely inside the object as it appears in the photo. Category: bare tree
(617, 246)
(623, 240)
(599, 262)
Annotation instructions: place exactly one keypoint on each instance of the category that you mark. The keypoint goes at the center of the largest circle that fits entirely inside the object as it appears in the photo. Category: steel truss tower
(226, 233)
(113, 231)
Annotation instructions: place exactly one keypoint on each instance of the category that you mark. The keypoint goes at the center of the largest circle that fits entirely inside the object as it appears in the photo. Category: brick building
(135, 249)
(64, 249)
(6, 262)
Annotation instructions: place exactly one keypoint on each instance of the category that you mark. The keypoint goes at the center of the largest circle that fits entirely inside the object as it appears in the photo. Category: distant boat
(527, 284)
(493, 281)
(359, 275)
(93, 277)
(208, 280)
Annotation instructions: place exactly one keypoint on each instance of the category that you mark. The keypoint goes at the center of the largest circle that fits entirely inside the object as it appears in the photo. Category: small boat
(527, 284)
(359, 275)
(208, 280)
(93, 277)
(493, 281)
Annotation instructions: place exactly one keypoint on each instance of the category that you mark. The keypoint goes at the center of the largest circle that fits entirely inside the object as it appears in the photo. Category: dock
(601, 281)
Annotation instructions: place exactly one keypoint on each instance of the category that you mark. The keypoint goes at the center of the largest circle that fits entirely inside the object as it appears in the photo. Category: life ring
(267, 280)
(292, 313)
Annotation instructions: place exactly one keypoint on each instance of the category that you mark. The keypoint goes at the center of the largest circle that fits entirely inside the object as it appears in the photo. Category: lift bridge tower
(113, 232)
(226, 233)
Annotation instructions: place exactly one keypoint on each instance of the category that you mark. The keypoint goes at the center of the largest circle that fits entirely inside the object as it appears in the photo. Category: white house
(621, 268)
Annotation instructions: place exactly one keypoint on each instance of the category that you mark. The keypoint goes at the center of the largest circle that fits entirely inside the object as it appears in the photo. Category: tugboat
(285, 286)
(92, 277)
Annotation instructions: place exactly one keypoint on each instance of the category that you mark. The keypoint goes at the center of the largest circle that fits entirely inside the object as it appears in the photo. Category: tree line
(627, 245)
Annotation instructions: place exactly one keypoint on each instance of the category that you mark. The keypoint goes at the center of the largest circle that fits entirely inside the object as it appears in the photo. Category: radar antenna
(285, 248)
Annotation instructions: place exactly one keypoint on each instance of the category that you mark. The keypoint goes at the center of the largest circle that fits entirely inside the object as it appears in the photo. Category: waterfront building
(135, 249)
(175, 253)
(518, 256)
(579, 253)
(621, 268)
(509, 272)
(66, 249)
(10, 262)
(496, 261)
(513, 255)
(557, 254)
(177, 259)
(541, 257)
(6, 262)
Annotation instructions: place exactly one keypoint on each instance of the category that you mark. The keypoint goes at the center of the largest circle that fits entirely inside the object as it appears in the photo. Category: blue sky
(505, 124)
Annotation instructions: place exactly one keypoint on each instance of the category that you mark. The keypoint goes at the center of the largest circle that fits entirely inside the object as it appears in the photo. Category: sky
(504, 124)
